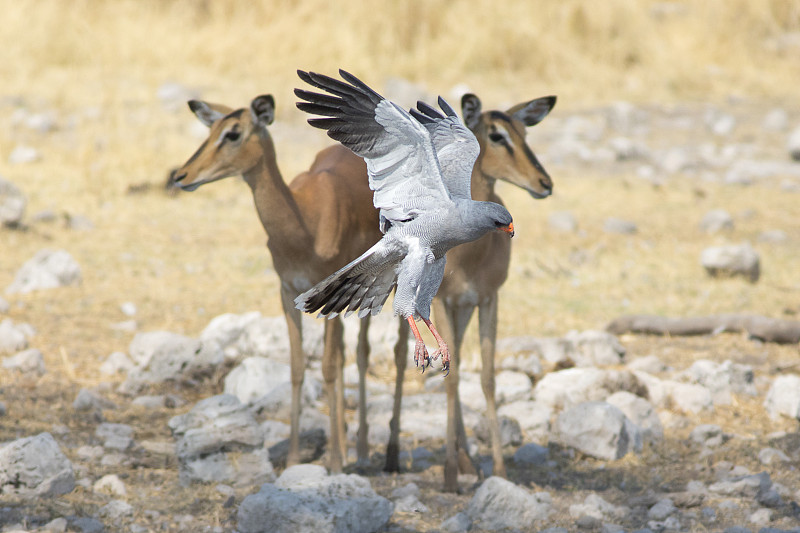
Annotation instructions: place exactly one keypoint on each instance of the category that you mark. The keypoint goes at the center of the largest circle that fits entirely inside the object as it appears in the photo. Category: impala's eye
(497, 137)
(232, 136)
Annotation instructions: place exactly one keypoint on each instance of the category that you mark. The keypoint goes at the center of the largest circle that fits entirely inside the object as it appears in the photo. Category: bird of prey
(420, 165)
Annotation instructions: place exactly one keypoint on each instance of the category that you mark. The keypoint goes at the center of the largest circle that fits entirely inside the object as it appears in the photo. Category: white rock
(4, 305)
(499, 504)
(116, 363)
(533, 418)
(512, 386)
(48, 269)
(793, 144)
(597, 507)
(406, 499)
(640, 412)
(688, 397)
(661, 510)
(715, 221)
(227, 329)
(29, 361)
(35, 467)
(87, 400)
(116, 510)
(761, 517)
(598, 429)
(722, 379)
(783, 397)
(14, 337)
(310, 501)
(569, 387)
(617, 225)
(649, 363)
(710, 435)
(23, 154)
(595, 348)
(775, 120)
(254, 377)
(110, 484)
(458, 523)
(12, 204)
(772, 236)
(526, 363)
(768, 456)
(562, 221)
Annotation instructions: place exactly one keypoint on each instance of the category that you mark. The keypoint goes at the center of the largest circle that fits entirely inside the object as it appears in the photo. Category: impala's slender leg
(330, 365)
(400, 361)
(487, 327)
(362, 359)
(298, 366)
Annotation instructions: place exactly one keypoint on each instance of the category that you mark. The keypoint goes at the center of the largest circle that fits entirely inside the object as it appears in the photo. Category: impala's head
(504, 153)
(234, 144)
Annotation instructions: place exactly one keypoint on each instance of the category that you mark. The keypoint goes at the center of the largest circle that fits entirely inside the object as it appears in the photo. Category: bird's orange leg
(443, 349)
(420, 351)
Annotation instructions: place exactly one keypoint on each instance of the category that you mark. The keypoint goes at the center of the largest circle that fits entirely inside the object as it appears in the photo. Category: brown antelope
(475, 271)
(314, 226)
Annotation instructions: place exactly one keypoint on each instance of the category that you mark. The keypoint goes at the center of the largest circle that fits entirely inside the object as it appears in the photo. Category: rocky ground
(601, 433)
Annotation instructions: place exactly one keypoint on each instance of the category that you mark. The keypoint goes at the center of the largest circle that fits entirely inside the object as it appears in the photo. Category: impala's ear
(471, 110)
(262, 109)
(208, 113)
(533, 112)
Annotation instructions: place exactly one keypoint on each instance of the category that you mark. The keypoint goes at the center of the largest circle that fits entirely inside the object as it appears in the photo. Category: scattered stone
(688, 397)
(499, 504)
(3, 409)
(35, 467)
(274, 431)
(595, 348)
(116, 363)
(709, 435)
(512, 386)
(30, 361)
(793, 144)
(599, 429)
(598, 508)
(563, 221)
(732, 260)
(305, 498)
(775, 120)
(761, 517)
(749, 486)
(219, 440)
(722, 379)
(510, 431)
(531, 454)
(116, 510)
(569, 387)
(406, 499)
(162, 356)
(4, 305)
(48, 269)
(77, 222)
(458, 523)
(528, 364)
(555, 351)
(533, 418)
(768, 456)
(722, 125)
(23, 154)
(110, 484)
(619, 226)
(783, 397)
(12, 204)
(661, 510)
(715, 221)
(772, 236)
(58, 525)
(115, 436)
(640, 412)
(14, 337)
(85, 524)
(255, 377)
(87, 400)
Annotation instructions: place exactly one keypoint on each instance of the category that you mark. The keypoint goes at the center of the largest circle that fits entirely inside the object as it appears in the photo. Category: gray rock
(715, 221)
(595, 348)
(162, 356)
(158, 401)
(499, 504)
(783, 397)
(12, 204)
(87, 400)
(619, 226)
(406, 499)
(562, 221)
(596, 507)
(116, 510)
(86, 525)
(528, 364)
(768, 456)
(533, 418)
(110, 484)
(116, 363)
(57, 525)
(14, 337)
(115, 436)
(732, 260)
(278, 402)
(3, 409)
(710, 435)
(274, 431)
(722, 124)
(225, 330)
(512, 386)
(640, 412)
(48, 269)
(688, 397)
(23, 154)
(626, 149)
(553, 350)
(793, 144)
(254, 377)
(675, 159)
(304, 499)
(722, 379)
(30, 361)
(749, 486)
(4, 305)
(566, 388)
(661, 510)
(531, 454)
(242, 469)
(775, 120)
(598, 429)
(745, 171)
(772, 236)
(35, 467)
(458, 523)
(761, 517)
(510, 432)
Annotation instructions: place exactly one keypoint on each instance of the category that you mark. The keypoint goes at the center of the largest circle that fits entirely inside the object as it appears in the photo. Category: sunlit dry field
(103, 72)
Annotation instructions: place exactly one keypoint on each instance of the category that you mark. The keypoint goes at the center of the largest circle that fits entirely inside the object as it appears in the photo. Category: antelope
(314, 226)
(475, 271)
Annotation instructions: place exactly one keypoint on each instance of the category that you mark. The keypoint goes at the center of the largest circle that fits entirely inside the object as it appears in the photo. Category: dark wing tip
(446, 108)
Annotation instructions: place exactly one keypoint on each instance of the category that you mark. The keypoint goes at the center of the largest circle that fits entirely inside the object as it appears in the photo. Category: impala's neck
(274, 201)
(482, 185)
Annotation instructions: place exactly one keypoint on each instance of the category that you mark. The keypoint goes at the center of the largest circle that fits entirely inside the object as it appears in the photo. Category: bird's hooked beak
(508, 229)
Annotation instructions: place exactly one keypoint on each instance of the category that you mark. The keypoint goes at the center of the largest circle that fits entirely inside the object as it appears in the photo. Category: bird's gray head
(494, 216)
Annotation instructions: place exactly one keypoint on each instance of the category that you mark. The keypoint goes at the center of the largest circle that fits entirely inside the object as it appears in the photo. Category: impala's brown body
(315, 225)
(475, 271)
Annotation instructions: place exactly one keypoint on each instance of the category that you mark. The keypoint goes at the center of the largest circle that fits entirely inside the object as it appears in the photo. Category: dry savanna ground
(103, 71)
